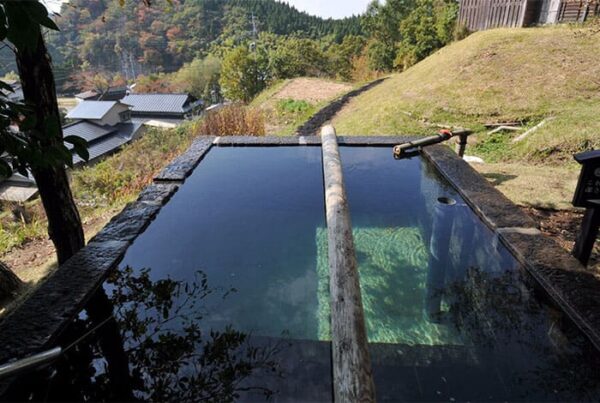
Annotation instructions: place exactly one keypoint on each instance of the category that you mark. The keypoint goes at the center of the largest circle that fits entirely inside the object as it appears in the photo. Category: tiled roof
(111, 142)
(87, 130)
(87, 95)
(113, 94)
(157, 103)
(91, 110)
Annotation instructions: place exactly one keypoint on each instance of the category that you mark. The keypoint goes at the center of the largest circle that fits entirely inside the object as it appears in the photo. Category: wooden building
(478, 15)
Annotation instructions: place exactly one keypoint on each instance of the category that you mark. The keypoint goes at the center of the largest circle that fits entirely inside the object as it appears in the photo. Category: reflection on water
(149, 344)
(451, 316)
(247, 217)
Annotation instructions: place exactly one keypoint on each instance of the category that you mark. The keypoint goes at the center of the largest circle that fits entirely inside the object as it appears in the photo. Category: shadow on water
(143, 339)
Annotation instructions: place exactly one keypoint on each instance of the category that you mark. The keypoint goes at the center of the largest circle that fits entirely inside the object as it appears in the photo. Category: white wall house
(103, 113)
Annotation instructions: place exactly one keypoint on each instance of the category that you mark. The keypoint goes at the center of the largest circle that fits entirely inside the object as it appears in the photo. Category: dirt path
(34, 260)
(311, 90)
(311, 126)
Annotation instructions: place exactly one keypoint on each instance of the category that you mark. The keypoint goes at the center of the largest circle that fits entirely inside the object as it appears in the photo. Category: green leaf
(5, 169)
(59, 154)
(22, 31)
(3, 28)
(6, 87)
(38, 13)
(75, 140)
(82, 152)
(29, 122)
(80, 146)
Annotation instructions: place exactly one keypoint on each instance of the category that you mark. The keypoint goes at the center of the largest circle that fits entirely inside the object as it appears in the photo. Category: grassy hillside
(289, 103)
(494, 76)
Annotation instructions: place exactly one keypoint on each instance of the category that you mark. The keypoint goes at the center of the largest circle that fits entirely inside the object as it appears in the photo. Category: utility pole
(254, 34)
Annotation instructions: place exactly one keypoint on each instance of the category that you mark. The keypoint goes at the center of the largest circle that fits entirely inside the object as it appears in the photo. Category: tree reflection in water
(147, 342)
(539, 352)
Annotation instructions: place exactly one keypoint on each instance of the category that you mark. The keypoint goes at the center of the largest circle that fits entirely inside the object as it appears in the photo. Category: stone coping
(267, 141)
(34, 325)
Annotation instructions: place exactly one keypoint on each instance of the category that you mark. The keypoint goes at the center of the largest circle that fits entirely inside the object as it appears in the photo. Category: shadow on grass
(498, 179)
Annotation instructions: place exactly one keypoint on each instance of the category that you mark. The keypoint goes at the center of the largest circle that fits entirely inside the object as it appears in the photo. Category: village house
(162, 110)
(110, 94)
(105, 125)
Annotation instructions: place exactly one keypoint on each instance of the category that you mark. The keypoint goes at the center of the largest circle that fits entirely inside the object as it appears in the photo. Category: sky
(330, 8)
(53, 5)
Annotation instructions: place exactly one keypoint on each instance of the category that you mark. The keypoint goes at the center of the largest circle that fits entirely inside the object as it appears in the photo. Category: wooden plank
(352, 371)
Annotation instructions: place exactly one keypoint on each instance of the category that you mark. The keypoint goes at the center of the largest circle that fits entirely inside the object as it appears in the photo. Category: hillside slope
(290, 103)
(495, 76)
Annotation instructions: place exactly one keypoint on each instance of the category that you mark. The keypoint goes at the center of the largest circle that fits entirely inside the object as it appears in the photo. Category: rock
(473, 160)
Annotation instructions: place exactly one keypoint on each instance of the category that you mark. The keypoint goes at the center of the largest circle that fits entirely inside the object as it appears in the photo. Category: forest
(204, 46)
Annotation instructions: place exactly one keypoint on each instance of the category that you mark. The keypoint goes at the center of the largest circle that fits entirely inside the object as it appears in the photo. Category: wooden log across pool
(352, 372)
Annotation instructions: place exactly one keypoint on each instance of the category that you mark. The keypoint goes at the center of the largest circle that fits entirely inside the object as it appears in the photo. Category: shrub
(124, 174)
(292, 106)
(232, 120)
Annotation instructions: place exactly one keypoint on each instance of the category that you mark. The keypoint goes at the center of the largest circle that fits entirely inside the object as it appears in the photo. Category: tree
(428, 27)
(199, 75)
(298, 57)
(341, 56)
(39, 144)
(403, 32)
(156, 341)
(243, 74)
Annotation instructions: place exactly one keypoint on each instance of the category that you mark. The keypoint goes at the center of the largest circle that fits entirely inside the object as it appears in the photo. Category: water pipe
(410, 148)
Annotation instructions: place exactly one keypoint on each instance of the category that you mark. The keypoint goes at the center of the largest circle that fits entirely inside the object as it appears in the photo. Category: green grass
(16, 233)
(542, 186)
(495, 76)
(268, 94)
(292, 113)
(292, 107)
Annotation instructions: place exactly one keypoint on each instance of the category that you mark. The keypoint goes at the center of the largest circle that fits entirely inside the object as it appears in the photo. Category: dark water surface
(225, 296)
(467, 326)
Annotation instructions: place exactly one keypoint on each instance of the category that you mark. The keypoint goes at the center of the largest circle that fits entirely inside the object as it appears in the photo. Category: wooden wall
(478, 15)
(578, 10)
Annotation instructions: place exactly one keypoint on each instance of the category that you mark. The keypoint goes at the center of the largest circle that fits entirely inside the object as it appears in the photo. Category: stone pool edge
(34, 325)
